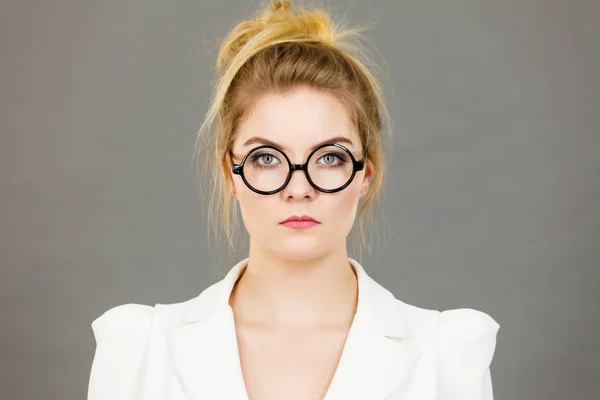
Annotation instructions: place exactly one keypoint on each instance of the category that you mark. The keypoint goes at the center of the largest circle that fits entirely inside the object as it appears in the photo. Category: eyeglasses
(267, 170)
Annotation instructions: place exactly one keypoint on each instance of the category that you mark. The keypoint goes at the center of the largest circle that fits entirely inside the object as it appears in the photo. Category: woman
(297, 318)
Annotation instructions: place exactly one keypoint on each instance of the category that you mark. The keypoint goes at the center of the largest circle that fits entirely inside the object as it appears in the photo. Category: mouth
(303, 222)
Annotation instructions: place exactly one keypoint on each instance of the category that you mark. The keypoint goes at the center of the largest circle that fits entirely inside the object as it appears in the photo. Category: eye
(329, 159)
(264, 159)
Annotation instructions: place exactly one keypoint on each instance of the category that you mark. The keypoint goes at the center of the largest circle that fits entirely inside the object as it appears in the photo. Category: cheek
(343, 205)
(249, 202)
(254, 208)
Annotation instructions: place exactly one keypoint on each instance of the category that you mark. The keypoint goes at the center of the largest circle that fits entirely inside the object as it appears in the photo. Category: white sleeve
(467, 341)
(121, 335)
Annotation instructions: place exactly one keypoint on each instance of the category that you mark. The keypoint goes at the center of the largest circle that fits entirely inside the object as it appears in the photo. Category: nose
(298, 187)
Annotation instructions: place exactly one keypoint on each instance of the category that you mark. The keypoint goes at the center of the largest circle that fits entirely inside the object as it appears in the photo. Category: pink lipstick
(303, 222)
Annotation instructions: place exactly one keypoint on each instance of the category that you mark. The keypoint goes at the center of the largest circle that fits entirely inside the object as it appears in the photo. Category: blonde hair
(282, 48)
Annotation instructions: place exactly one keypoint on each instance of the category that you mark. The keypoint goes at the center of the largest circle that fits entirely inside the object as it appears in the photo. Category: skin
(298, 278)
(295, 302)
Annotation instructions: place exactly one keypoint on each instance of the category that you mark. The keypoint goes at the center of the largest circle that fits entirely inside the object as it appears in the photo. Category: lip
(303, 222)
(297, 224)
(303, 218)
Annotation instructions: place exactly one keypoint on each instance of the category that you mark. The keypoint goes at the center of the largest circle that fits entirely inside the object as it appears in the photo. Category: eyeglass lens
(267, 169)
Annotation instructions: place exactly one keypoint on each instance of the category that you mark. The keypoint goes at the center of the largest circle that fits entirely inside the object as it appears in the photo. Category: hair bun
(275, 24)
(283, 5)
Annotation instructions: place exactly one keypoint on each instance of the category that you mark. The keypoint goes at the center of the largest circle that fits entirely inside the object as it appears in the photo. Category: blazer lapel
(372, 365)
(204, 347)
(380, 356)
(206, 359)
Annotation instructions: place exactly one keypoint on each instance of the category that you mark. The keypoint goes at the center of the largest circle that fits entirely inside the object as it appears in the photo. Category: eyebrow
(261, 140)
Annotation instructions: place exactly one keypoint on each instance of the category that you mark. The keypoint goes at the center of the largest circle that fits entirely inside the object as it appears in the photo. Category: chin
(298, 248)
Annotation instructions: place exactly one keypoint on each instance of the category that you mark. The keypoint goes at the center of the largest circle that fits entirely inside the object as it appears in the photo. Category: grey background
(493, 193)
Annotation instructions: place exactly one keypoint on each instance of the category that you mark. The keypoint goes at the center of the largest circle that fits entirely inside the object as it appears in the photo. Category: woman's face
(296, 123)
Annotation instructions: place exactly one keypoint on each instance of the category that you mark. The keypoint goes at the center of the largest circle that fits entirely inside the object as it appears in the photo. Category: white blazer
(394, 351)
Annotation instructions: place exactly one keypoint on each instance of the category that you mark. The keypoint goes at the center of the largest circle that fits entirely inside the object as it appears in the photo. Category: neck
(296, 294)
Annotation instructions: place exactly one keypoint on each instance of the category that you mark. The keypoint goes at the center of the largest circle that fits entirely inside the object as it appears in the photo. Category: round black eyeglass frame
(238, 169)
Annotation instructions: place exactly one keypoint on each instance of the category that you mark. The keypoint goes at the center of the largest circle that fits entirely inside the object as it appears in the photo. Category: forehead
(296, 121)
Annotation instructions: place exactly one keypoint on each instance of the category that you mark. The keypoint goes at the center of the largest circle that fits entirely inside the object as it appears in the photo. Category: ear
(232, 188)
(366, 181)
(228, 171)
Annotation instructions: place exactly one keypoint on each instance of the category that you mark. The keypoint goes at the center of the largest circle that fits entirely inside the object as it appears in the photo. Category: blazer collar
(375, 303)
(378, 358)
